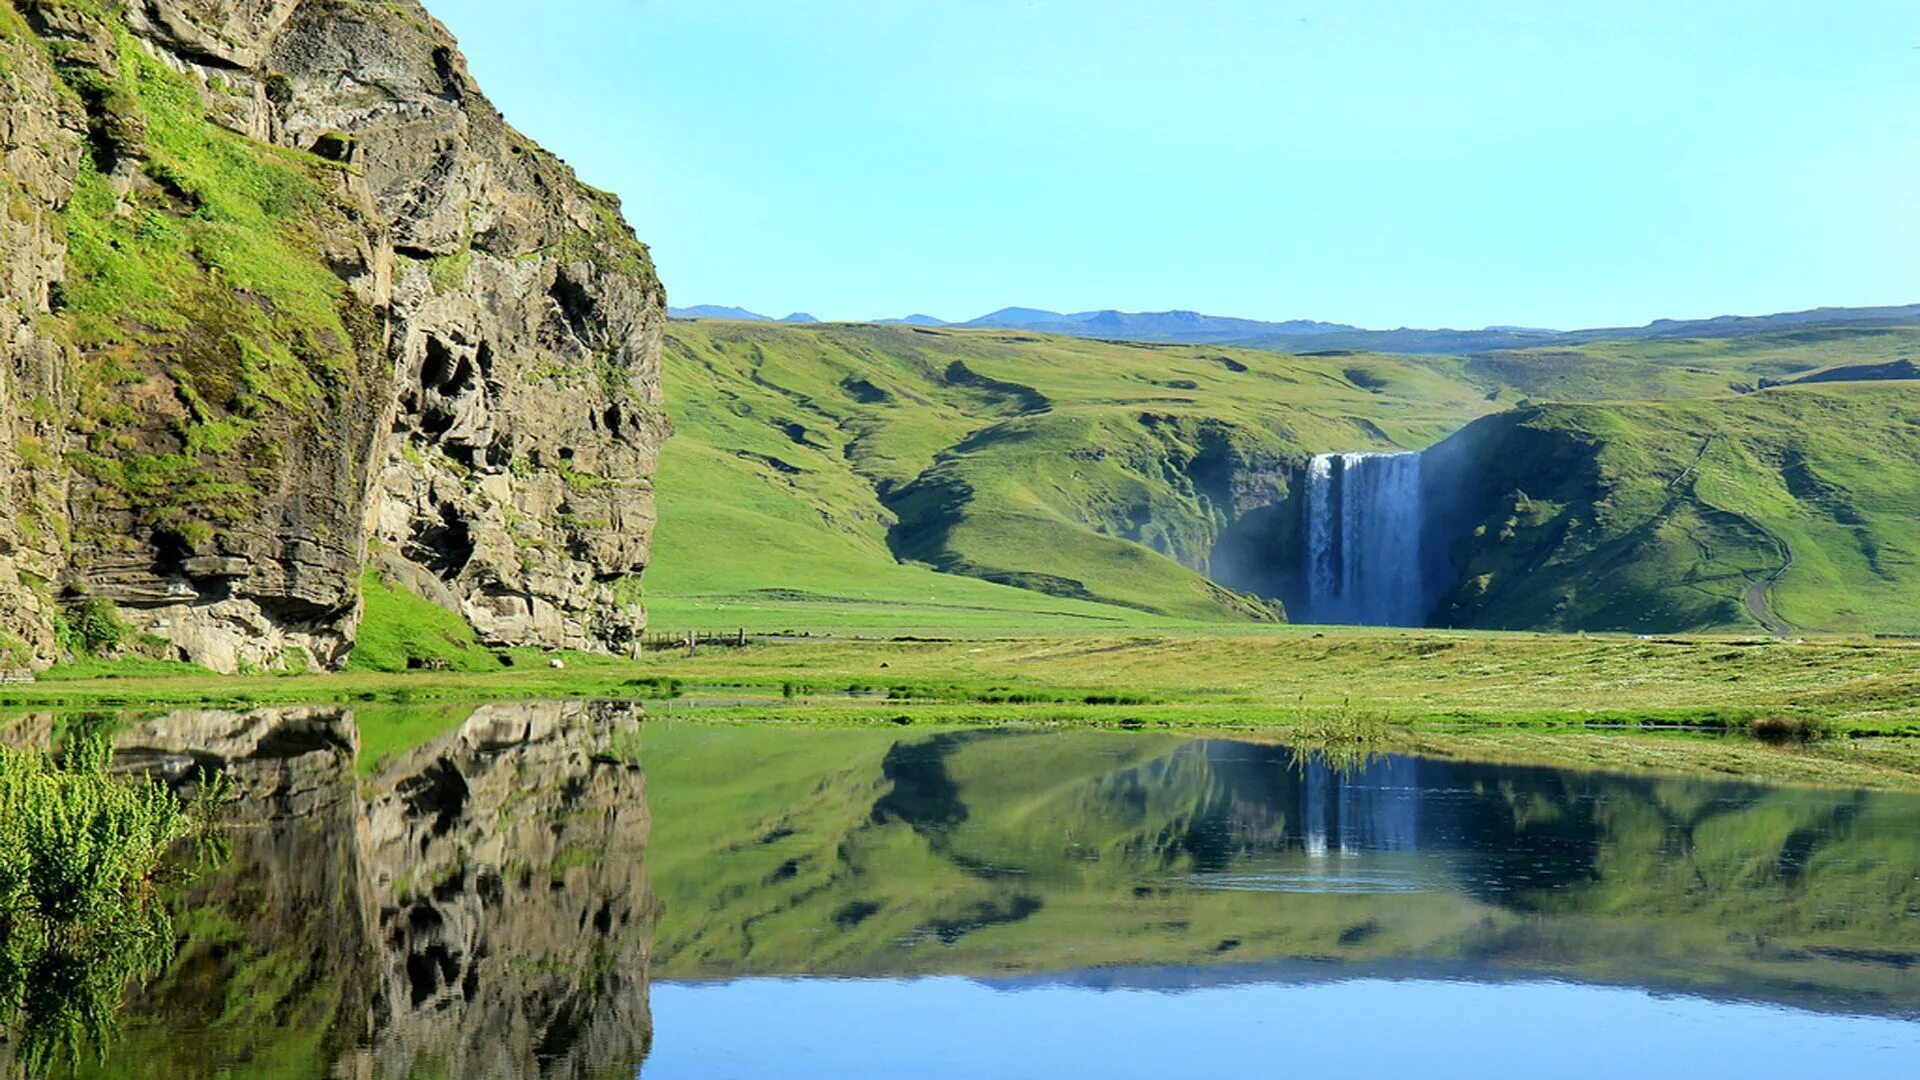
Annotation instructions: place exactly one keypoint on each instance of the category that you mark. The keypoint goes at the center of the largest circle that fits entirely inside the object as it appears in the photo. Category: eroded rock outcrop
(40, 137)
(285, 296)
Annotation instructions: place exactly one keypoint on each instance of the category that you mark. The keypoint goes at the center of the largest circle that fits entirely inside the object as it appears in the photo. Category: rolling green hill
(1679, 514)
(894, 478)
(848, 462)
(1686, 367)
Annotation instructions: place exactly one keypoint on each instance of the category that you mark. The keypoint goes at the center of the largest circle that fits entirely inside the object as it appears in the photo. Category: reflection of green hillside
(788, 851)
(863, 852)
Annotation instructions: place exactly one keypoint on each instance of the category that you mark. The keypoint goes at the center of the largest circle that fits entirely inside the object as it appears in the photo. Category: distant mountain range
(1306, 335)
(712, 311)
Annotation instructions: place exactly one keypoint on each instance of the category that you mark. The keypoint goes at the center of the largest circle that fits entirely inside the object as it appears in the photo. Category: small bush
(91, 625)
(15, 653)
(1788, 729)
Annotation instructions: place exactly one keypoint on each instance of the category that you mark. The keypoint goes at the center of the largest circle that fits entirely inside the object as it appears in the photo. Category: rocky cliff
(285, 300)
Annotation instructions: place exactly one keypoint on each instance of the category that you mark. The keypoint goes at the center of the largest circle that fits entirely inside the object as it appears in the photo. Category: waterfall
(1364, 551)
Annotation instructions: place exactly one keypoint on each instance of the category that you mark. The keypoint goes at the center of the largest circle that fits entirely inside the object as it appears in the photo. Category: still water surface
(565, 889)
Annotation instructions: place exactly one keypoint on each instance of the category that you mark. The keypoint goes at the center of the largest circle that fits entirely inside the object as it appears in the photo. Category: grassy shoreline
(1688, 703)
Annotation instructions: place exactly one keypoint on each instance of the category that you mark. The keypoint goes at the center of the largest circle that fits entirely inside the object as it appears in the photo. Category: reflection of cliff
(276, 940)
(888, 853)
(480, 909)
(515, 917)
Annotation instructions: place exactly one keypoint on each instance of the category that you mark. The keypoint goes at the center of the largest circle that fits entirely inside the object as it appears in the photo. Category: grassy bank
(1514, 694)
(1851, 683)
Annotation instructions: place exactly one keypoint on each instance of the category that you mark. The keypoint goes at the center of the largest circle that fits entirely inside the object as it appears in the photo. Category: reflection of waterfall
(1364, 553)
(1374, 808)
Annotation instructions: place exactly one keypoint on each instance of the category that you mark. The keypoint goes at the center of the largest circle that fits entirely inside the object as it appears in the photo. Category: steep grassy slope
(820, 458)
(821, 471)
(1682, 514)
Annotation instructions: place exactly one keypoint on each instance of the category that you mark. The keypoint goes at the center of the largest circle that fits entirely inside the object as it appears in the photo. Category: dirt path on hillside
(1757, 594)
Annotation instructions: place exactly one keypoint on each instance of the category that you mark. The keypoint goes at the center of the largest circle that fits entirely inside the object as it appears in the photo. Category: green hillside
(1679, 514)
(1684, 367)
(845, 463)
(891, 479)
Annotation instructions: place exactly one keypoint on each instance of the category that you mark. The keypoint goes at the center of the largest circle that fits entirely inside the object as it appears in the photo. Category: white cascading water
(1364, 551)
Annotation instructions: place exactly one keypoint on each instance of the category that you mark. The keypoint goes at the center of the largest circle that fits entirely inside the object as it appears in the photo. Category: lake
(570, 889)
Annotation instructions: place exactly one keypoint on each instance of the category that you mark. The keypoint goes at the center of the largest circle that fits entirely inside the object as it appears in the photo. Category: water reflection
(994, 854)
(501, 891)
(477, 906)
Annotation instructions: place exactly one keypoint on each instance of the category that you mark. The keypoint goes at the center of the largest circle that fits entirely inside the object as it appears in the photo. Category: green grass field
(1593, 700)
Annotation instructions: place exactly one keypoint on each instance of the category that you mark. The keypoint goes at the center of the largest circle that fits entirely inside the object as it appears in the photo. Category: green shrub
(15, 653)
(91, 625)
(1788, 729)
(80, 852)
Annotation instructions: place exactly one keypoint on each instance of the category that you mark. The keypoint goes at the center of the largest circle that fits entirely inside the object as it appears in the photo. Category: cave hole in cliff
(575, 306)
(491, 889)
(442, 370)
(443, 68)
(441, 542)
(170, 554)
(445, 377)
(438, 366)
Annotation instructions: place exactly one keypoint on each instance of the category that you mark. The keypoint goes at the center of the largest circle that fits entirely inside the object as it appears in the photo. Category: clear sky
(1380, 163)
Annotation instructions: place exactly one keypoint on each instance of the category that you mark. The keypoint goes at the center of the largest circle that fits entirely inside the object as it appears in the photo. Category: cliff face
(286, 298)
(40, 138)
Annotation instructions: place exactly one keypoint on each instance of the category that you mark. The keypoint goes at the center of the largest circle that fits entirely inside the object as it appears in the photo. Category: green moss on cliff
(211, 324)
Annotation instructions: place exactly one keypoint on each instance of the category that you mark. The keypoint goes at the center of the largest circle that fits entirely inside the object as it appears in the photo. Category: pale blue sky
(1428, 164)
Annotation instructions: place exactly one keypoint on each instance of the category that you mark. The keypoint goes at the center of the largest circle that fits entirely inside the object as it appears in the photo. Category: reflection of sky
(953, 1027)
